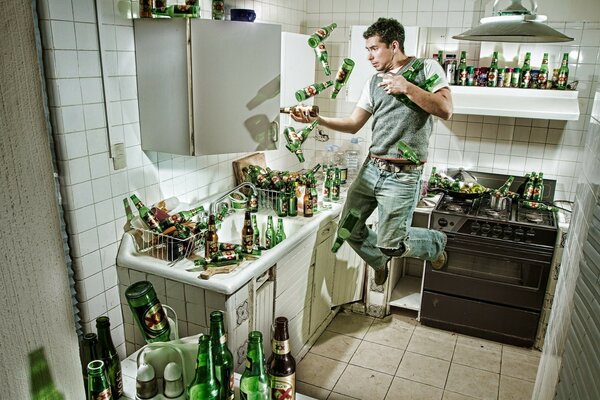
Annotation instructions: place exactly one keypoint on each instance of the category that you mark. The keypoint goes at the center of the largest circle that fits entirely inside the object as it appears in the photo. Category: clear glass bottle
(353, 159)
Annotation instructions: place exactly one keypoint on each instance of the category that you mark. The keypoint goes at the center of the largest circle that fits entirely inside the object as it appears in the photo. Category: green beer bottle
(183, 11)
(526, 72)
(313, 111)
(411, 73)
(98, 387)
(108, 354)
(503, 190)
(462, 69)
(433, 179)
(342, 76)
(440, 57)
(345, 228)
(308, 206)
(254, 381)
(146, 215)
(538, 206)
(314, 193)
(280, 234)
(182, 216)
(320, 35)
(563, 72)
(538, 188)
(148, 312)
(323, 57)
(42, 387)
(281, 366)
(293, 200)
(335, 185)
(256, 232)
(204, 386)
(247, 234)
(312, 90)
(426, 85)
(408, 152)
(128, 214)
(88, 354)
(493, 72)
(218, 10)
(222, 356)
(270, 239)
(543, 75)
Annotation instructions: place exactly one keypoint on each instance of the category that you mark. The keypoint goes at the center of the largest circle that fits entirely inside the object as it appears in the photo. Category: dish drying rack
(267, 199)
(166, 247)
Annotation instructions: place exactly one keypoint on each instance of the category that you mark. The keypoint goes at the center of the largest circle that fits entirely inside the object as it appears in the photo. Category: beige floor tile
(403, 389)
(319, 371)
(520, 363)
(478, 356)
(455, 396)
(311, 390)
(432, 342)
(482, 343)
(336, 346)
(338, 396)
(515, 389)
(363, 383)
(393, 331)
(424, 369)
(378, 357)
(351, 324)
(473, 382)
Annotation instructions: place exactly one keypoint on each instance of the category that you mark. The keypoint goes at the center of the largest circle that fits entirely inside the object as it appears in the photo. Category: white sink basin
(231, 227)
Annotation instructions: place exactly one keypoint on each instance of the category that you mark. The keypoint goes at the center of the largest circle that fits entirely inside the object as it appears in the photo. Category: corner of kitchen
(174, 233)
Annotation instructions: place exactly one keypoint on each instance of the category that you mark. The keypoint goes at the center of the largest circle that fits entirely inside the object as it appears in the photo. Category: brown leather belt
(394, 167)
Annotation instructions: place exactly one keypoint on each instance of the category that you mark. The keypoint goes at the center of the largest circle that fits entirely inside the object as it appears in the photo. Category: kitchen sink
(231, 227)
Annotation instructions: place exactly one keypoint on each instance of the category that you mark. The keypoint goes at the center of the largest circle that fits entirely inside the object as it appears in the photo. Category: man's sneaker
(440, 261)
(381, 275)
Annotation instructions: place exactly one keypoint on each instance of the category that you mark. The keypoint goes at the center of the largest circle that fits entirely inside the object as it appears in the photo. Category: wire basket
(166, 247)
(267, 199)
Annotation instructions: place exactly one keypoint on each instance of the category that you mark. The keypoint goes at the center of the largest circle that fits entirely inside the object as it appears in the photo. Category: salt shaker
(145, 382)
(173, 382)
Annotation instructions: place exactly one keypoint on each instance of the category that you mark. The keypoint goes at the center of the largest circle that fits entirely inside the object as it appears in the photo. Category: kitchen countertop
(223, 283)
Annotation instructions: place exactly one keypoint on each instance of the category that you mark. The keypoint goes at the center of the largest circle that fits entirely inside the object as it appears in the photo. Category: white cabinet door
(323, 279)
(348, 276)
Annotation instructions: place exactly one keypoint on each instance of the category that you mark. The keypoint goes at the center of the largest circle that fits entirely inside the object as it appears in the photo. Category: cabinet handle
(325, 231)
(274, 128)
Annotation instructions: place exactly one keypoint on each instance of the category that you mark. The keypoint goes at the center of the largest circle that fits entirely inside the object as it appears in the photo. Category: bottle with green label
(108, 354)
(492, 80)
(543, 75)
(280, 234)
(99, 387)
(148, 312)
(218, 10)
(222, 356)
(342, 76)
(146, 215)
(426, 85)
(270, 239)
(345, 228)
(256, 232)
(440, 57)
(525, 78)
(312, 90)
(563, 72)
(462, 69)
(254, 384)
(205, 385)
(183, 11)
(41, 384)
(323, 57)
(321, 34)
(538, 188)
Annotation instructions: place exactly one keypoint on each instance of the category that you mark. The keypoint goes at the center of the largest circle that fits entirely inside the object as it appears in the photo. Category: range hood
(514, 24)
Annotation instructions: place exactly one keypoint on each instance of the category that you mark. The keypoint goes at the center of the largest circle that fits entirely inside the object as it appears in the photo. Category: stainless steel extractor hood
(514, 24)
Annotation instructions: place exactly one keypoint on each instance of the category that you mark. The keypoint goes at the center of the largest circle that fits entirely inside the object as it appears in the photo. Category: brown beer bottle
(211, 244)
(247, 234)
(308, 201)
(281, 367)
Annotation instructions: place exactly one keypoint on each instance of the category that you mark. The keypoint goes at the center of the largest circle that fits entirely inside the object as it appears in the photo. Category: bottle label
(103, 395)
(119, 384)
(281, 347)
(283, 387)
(152, 318)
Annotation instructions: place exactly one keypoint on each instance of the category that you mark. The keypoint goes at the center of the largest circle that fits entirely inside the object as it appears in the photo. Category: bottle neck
(204, 364)
(217, 334)
(255, 362)
(104, 338)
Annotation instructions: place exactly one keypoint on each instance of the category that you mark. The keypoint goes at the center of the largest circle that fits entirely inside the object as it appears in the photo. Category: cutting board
(251, 159)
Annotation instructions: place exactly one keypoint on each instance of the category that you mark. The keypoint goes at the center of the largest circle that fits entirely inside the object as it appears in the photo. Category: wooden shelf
(513, 102)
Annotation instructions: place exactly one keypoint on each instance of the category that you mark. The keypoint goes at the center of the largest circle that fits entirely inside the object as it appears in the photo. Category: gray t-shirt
(394, 121)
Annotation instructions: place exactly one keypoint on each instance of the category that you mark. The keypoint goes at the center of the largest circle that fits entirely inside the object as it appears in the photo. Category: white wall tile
(63, 35)
(84, 11)
(92, 309)
(78, 170)
(83, 243)
(65, 64)
(104, 211)
(82, 219)
(87, 265)
(87, 36)
(97, 140)
(106, 234)
(124, 36)
(95, 115)
(60, 9)
(91, 90)
(89, 63)
(119, 183)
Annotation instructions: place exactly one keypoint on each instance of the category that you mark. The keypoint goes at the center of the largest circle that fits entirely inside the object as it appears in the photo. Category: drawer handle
(325, 231)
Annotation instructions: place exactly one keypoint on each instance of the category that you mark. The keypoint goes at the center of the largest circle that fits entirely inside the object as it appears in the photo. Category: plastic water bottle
(353, 159)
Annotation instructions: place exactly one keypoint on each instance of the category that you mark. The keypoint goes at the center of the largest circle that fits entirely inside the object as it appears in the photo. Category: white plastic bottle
(353, 159)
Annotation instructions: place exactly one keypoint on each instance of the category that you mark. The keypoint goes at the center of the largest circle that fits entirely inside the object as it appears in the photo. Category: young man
(387, 180)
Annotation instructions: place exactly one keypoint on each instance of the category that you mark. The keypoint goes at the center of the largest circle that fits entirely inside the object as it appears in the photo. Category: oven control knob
(442, 222)
(485, 228)
(497, 230)
(475, 226)
(530, 234)
(519, 233)
(508, 232)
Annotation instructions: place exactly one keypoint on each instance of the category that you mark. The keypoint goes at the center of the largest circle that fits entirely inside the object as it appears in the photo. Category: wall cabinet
(207, 87)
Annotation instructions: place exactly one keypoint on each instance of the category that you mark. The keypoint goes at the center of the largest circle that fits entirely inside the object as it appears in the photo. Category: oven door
(484, 269)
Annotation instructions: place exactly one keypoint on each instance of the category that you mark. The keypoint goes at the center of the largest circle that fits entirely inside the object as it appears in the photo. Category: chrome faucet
(213, 205)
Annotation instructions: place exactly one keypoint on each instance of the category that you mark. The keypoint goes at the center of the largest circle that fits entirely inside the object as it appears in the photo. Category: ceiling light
(514, 24)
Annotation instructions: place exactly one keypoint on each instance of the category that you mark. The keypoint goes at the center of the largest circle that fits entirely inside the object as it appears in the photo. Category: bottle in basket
(148, 312)
(247, 234)
(281, 366)
(253, 202)
(108, 354)
(205, 385)
(98, 386)
(146, 215)
(222, 356)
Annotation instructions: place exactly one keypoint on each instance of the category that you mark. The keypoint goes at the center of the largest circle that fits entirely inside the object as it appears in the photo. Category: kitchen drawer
(326, 231)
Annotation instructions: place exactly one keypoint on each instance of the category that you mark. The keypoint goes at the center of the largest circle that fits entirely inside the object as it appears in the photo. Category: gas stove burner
(492, 213)
(534, 217)
(455, 208)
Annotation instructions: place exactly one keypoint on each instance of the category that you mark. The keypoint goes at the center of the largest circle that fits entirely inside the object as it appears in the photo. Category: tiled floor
(396, 358)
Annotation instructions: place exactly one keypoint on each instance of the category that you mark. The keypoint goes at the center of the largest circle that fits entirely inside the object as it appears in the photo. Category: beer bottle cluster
(525, 77)
(159, 9)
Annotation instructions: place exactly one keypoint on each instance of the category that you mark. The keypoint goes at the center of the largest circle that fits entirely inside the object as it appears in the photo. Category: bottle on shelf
(342, 76)
(440, 57)
(471, 79)
(247, 234)
(462, 69)
(222, 356)
(515, 78)
(312, 90)
(183, 11)
(323, 57)
(108, 354)
(146, 215)
(99, 386)
(148, 312)
(41, 385)
(211, 243)
(254, 383)
(88, 354)
(525, 78)
(281, 367)
(345, 229)
(450, 68)
(312, 111)
(543, 75)
(280, 235)
(328, 184)
(492, 80)
(218, 10)
(563, 73)
(270, 240)
(320, 35)
(205, 385)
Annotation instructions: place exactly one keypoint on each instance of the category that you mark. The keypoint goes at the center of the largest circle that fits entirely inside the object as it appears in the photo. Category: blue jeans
(395, 195)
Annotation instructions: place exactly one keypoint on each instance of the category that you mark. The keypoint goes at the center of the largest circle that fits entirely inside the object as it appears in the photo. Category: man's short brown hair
(388, 29)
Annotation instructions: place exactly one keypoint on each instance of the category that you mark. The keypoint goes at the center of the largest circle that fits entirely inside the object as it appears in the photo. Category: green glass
(538, 188)
(270, 240)
(205, 385)
(183, 11)
(327, 184)
(295, 139)
(525, 78)
(218, 10)
(408, 152)
(280, 234)
(538, 206)
(108, 354)
(41, 384)
(411, 73)
(543, 75)
(563, 72)
(146, 215)
(335, 184)
(433, 179)
(182, 216)
(293, 200)
(254, 381)
(312, 90)
(462, 69)
(308, 200)
(440, 57)
(88, 354)
(345, 228)
(314, 195)
(503, 190)
(321, 34)
(256, 232)
(148, 312)
(426, 85)
(528, 189)
(222, 356)
(128, 214)
(323, 57)
(493, 72)
(98, 387)
(342, 76)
